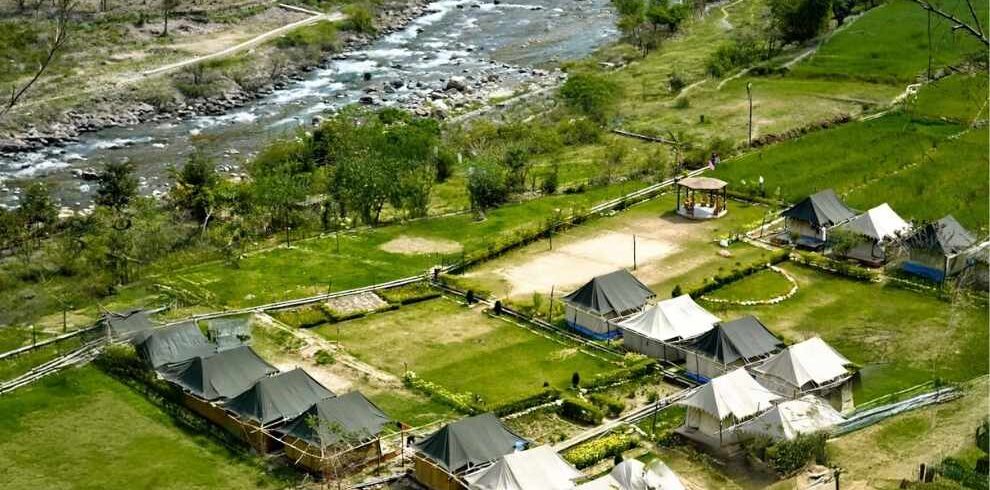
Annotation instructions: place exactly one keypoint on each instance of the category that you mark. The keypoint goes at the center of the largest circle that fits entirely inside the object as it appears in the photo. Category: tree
(279, 192)
(516, 161)
(576, 379)
(116, 186)
(974, 29)
(592, 94)
(168, 6)
(195, 187)
(37, 209)
(800, 20)
(486, 186)
(60, 27)
(615, 156)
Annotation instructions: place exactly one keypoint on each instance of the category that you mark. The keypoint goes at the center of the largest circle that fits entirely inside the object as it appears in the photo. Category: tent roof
(744, 338)
(280, 397)
(130, 323)
(880, 223)
(469, 442)
(821, 209)
(632, 474)
(791, 418)
(809, 362)
(945, 235)
(222, 375)
(672, 319)
(539, 468)
(702, 183)
(734, 394)
(176, 343)
(616, 292)
(348, 416)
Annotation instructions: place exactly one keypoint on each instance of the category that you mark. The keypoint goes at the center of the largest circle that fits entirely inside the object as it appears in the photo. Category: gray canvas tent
(176, 343)
(539, 468)
(278, 398)
(730, 344)
(936, 250)
(651, 331)
(877, 227)
(348, 416)
(811, 217)
(632, 474)
(133, 324)
(220, 376)
(469, 442)
(590, 308)
(791, 418)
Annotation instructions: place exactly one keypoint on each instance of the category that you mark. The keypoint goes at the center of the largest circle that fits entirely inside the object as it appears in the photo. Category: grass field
(920, 160)
(882, 455)
(900, 338)
(466, 351)
(82, 429)
(762, 285)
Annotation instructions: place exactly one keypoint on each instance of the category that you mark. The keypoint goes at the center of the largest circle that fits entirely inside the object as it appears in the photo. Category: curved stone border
(771, 301)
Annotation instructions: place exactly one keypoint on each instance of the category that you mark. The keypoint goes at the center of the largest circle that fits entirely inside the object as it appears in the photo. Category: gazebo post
(677, 206)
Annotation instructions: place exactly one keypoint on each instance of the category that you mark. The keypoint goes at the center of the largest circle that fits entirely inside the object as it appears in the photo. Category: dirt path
(250, 43)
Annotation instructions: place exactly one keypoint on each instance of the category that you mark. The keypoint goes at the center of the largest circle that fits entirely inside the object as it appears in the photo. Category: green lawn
(918, 159)
(890, 44)
(466, 351)
(82, 429)
(762, 285)
(13, 367)
(900, 338)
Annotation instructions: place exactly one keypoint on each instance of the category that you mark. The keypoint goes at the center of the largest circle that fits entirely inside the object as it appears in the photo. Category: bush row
(592, 452)
(581, 411)
(409, 294)
(462, 402)
(841, 268)
(641, 368)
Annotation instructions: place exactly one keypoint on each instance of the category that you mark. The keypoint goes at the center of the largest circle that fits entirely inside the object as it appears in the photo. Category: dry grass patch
(414, 245)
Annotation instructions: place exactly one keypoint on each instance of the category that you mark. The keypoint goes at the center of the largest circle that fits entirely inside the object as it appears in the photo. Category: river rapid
(493, 47)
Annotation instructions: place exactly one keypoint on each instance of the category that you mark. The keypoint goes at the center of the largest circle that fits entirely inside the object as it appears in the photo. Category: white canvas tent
(788, 419)
(539, 468)
(723, 402)
(669, 320)
(811, 366)
(878, 226)
(632, 474)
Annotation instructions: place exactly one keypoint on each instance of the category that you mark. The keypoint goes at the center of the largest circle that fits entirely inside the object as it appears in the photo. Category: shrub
(613, 407)
(549, 182)
(462, 402)
(956, 470)
(676, 291)
(787, 457)
(323, 358)
(594, 451)
(676, 83)
(581, 411)
(591, 94)
(302, 317)
(408, 294)
(359, 19)
(321, 35)
(729, 56)
(579, 131)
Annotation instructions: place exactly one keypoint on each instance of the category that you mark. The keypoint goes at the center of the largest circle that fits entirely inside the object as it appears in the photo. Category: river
(503, 42)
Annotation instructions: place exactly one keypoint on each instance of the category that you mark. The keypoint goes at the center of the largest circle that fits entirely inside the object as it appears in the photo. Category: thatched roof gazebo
(703, 198)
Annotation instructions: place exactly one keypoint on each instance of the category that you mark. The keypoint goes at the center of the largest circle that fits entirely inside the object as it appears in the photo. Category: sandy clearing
(573, 264)
(413, 245)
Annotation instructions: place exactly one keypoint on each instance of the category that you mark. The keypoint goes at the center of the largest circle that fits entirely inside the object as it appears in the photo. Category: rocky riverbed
(436, 59)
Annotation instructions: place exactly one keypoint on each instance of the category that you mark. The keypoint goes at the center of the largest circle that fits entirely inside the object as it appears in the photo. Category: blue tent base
(925, 271)
(613, 334)
(697, 377)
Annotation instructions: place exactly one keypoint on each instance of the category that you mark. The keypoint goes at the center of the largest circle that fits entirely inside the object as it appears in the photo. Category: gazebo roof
(702, 183)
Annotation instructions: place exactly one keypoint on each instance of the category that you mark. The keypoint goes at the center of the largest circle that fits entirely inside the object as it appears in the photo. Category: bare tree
(975, 29)
(61, 22)
(168, 6)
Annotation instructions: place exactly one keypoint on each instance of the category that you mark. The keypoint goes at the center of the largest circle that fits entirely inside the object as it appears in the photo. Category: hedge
(581, 411)
(546, 396)
(841, 268)
(787, 457)
(462, 402)
(408, 294)
(613, 407)
(592, 452)
(601, 381)
(302, 317)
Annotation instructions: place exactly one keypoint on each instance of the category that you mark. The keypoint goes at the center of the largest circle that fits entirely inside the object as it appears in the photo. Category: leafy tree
(195, 187)
(486, 185)
(592, 94)
(278, 194)
(516, 161)
(116, 186)
(800, 20)
(168, 6)
(37, 211)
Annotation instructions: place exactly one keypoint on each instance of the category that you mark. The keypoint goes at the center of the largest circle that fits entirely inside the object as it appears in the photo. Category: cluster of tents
(934, 250)
(224, 380)
(481, 453)
(746, 370)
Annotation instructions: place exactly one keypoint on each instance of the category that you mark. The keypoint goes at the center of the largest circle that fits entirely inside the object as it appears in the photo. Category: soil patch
(367, 301)
(413, 245)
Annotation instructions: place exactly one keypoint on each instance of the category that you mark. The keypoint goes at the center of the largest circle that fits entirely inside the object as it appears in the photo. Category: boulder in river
(456, 83)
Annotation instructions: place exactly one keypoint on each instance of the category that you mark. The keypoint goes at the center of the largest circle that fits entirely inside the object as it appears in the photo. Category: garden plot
(667, 246)
(465, 351)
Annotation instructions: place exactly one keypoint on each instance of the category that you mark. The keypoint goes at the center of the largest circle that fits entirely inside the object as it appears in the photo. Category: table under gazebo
(703, 198)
